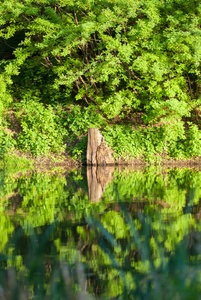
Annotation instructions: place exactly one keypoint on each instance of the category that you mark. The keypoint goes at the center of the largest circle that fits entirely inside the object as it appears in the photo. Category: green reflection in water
(141, 241)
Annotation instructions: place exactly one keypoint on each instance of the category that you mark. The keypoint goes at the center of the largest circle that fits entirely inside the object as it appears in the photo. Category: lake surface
(100, 233)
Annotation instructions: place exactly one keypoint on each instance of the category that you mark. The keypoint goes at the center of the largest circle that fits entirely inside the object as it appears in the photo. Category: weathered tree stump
(98, 153)
(104, 155)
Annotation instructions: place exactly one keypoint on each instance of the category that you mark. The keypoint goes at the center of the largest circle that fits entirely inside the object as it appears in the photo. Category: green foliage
(193, 141)
(78, 120)
(132, 263)
(144, 267)
(79, 151)
(169, 139)
(141, 241)
(46, 196)
(6, 141)
(5, 97)
(116, 58)
(14, 163)
(40, 132)
(166, 193)
(110, 53)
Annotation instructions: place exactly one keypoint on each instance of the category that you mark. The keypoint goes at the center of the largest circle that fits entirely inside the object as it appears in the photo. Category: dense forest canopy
(117, 58)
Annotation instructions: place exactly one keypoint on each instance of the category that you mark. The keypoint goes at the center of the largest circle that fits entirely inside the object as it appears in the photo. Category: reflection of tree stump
(97, 151)
(98, 178)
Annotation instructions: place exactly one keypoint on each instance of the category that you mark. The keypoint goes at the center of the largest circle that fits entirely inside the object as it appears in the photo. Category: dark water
(100, 233)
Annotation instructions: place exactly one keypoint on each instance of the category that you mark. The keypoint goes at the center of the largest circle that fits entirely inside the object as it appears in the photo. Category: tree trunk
(97, 151)
(95, 138)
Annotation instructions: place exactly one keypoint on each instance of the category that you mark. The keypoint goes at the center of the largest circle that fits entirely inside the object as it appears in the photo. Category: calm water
(100, 234)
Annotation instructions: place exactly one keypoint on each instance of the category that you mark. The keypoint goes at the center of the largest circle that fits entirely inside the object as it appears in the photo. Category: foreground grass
(142, 268)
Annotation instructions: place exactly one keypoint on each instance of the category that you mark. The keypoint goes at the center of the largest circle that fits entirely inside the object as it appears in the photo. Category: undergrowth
(48, 129)
(171, 141)
(41, 133)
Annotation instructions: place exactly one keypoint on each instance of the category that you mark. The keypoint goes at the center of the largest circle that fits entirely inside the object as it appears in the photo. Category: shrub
(41, 133)
(6, 141)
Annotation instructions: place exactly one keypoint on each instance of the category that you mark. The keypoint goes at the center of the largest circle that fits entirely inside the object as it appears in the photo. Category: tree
(113, 54)
(121, 58)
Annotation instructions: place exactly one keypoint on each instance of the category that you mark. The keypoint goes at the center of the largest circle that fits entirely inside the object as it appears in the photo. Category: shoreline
(65, 162)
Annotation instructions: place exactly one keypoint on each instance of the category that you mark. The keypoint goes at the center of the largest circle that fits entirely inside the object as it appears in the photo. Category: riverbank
(21, 160)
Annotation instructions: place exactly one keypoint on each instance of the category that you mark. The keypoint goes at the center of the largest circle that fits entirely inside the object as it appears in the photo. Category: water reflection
(124, 234)
(97, 178)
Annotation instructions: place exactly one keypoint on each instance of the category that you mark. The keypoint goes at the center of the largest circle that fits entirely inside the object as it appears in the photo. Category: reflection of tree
(97, 178)
(133, 249)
